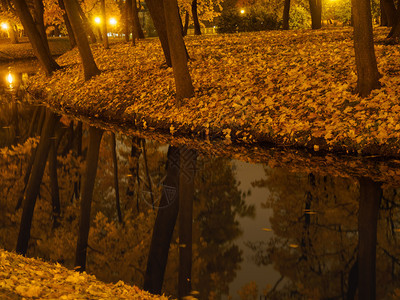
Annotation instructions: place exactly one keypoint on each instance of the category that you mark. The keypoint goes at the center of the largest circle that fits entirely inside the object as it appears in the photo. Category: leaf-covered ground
(28, 278)
(23, 50)
(291, 88)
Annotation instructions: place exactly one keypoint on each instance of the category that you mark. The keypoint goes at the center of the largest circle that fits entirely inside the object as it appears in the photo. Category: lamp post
(113, 23)
(97, 21)
(5, 27)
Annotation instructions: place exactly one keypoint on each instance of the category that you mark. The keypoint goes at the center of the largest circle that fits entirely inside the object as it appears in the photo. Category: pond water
(257, 232)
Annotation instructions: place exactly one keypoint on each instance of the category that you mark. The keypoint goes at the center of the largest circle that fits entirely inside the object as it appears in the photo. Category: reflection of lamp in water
(10, 80)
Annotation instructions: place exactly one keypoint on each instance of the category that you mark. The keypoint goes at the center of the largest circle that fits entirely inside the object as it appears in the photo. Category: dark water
(257, 232)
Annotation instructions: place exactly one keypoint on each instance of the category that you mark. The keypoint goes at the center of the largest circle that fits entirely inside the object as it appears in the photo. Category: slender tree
(316, 13)
(137, 31)
(156, 10)
(196, 22)
(367, 69)
(67, 23)
(183, 82)
(370, 196)
(116, 185)
(104, 24)
(286, 14)
(38, 44)
(164, 225)
(95, 135)
(35, 179)
(187, 168)
(89, 66)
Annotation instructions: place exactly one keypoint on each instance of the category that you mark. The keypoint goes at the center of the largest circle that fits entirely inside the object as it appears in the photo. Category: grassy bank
(293, 88)
(28, 278)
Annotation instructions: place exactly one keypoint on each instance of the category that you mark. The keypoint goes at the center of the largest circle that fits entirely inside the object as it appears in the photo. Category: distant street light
(113, 22)
(4, 26)
(242, 11)
(10, 80)
(97, 20)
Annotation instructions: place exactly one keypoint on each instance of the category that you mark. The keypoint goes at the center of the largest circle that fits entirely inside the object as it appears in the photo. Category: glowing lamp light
(10, 80)
(113, 21)
(97, 20)
(4, 26)
(242, 11)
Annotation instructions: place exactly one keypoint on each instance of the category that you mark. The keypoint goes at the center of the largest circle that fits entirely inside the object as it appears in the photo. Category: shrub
(254, 19)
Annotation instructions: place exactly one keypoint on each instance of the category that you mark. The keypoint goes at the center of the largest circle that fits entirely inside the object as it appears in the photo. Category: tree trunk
(196, 22)
(183, 82)
(395, 31)
(384, 19)
(38, 45)
(389, 10)
(316, 13)
(13, 34)
(38, 12)
(186, 25)
(85, 22)
(116, 186)
(35, 179)
(128, 19)
(370, 196)
(367, 70)
(164, 225)
(54, 188)
(187, 169)
(89, 66)
(104, 24)
(67, 23)
(95, 135)
(286, 15)
(137, 31)
(156, 10)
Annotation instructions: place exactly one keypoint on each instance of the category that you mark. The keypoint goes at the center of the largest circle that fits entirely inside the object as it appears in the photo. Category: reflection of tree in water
(218, 204)
(315, 222)
(119, 250)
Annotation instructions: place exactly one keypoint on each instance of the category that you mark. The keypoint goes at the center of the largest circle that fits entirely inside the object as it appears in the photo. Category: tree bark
(186, 25)
(85, 22)
(367, 70)
(183, 82)
(95, 135)
(316, 13)
(156, 10)
(116, 186)
(389, 10)
(164, 225)
(137, 31)
(54, 188)
(104, 24)
(286, 15)
(128, 19)
(370, 196)
(196, 23)
(187, 169)
(395, 31)
(35, 179)
(38, 45)
(384, 19)
(67, 23)
(13, 34)
(89, 66)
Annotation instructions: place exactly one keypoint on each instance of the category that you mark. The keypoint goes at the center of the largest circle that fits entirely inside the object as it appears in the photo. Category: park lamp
(10, 80)
(97, 20)
(112, 21)
(242, 11)
(4, 26)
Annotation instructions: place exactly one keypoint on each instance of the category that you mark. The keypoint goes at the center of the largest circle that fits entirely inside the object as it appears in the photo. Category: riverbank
(287, 88)
(29, 278)
(23, 50)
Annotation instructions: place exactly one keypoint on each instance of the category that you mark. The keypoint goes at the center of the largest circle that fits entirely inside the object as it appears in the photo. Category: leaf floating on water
(294, 246)
(266, 229)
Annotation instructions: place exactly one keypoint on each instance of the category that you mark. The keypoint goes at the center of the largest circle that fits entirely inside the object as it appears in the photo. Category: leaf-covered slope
(291, 88)
(28, 278)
